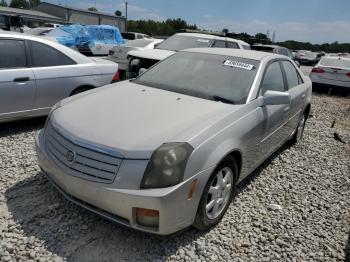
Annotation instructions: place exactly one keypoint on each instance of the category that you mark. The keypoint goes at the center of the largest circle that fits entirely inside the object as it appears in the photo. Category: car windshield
(138, 43)
(335, 62)
(214, 77)
(181, 42)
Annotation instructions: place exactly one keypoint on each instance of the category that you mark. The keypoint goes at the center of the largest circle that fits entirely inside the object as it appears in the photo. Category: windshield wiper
(222, 99)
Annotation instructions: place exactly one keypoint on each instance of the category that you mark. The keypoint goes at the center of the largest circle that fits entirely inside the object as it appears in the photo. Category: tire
(298, 134)
(208, 214)
(80, 90)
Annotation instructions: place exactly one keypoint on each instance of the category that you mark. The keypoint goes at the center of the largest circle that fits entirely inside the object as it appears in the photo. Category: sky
(315, 21)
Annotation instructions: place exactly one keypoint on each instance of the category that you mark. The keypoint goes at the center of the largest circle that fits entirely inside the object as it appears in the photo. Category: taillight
(348, 74)
(317, 70)
(116, 77)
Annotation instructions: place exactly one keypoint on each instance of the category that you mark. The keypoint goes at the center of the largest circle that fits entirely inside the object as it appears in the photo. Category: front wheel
(217, 195)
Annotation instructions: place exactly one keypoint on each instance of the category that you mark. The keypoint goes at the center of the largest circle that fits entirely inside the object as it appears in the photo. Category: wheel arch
(81, 87)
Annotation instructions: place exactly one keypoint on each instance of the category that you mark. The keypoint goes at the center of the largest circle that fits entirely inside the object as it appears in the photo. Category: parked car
(146, 58)
(305, 57)
(36, 73)
(165, 151)
(134, 36)
(277, 50)
(119, 54)
(332, 71)
(90, 40)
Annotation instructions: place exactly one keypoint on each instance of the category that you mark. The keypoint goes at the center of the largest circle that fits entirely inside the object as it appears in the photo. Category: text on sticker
(238, 64)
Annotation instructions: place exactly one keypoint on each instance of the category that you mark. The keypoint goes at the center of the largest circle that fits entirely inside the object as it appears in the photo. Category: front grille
(87, 163)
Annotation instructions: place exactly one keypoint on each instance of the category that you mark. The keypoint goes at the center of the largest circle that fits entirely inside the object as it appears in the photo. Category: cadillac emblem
(70, 156)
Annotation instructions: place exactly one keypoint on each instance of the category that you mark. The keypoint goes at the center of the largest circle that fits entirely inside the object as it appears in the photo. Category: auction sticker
(238, 64)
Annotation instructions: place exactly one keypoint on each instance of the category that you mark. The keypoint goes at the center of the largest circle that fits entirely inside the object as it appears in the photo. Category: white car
(332, 71)
(133, 36)
(35, 74)
(119, 54)
(147, 58)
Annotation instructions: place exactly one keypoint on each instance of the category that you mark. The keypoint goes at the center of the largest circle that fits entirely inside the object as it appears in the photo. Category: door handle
(21, 79)
(303, 96)
(286, 109)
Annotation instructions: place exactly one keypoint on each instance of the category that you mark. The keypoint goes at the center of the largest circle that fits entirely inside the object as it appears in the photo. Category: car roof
(77, 57)
(269, 46)
(208, 36)
(248, 54)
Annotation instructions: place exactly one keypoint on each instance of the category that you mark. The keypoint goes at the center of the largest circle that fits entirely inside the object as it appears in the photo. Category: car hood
(134, 120)
(154, 54)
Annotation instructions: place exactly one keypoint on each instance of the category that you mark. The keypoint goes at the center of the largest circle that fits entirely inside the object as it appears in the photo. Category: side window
(43, 56)
(293, 78)
(139, 36)
(232, 45)
(219, 44)
(273, 79)
(12, 54)
(246, 47)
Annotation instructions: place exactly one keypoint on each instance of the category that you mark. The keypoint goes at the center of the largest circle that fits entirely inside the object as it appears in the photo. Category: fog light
(147, 217)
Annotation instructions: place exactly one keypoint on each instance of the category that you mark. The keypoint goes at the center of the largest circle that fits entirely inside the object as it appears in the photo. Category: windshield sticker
(238, 64)
(203, 40)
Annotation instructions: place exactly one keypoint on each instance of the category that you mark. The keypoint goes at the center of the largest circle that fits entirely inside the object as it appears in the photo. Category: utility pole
(126, 16)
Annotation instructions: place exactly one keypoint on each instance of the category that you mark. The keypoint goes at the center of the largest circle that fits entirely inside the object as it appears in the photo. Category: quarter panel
(241, 131)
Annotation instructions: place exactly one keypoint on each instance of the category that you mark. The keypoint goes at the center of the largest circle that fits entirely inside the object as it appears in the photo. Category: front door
(275, 115)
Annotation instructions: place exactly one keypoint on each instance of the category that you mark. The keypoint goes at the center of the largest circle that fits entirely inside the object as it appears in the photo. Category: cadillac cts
(165, 151)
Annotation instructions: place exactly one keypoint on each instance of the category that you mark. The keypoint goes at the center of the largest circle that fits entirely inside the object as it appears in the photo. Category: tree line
(159, 28)
(25, 4)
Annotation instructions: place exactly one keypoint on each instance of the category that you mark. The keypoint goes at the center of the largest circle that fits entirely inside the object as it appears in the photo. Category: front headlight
(167, 165)
(56, 106)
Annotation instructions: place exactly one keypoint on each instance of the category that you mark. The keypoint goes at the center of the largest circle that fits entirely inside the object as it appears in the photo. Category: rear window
(246, 47)
(181, 42)
(335, 62)
(128, 36)
(12, 54)
(43, 55)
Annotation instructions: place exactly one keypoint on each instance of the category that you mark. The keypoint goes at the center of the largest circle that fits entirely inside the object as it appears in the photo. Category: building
(17, 17)
(74, 15)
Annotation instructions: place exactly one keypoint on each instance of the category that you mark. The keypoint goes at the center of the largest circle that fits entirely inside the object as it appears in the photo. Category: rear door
(275, 115)
(56, 74)
(17, 82)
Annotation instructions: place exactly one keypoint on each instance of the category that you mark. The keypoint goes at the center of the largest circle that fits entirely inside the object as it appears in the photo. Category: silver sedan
(35, 74)
(165, 151)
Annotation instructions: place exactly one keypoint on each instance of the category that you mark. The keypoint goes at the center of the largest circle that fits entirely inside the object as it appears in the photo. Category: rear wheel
(217, 194)
(298, 135)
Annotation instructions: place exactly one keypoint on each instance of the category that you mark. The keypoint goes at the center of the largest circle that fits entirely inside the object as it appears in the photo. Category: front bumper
(176, 211)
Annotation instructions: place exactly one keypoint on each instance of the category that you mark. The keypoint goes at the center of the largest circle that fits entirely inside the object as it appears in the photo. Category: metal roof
(28, 13)
(80, 10)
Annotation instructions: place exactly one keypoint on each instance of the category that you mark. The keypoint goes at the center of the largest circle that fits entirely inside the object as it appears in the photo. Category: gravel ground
(295, 207)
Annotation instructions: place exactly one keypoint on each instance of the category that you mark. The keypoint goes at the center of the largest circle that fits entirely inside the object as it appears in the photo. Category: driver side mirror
(276, 98)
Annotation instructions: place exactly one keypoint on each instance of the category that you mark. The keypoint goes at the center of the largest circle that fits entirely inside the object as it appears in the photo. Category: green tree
(19, 4)
(118, 13)
(93, 9)
(3, 3)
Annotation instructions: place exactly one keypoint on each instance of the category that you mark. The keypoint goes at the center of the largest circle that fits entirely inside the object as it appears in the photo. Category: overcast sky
(316, 21)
